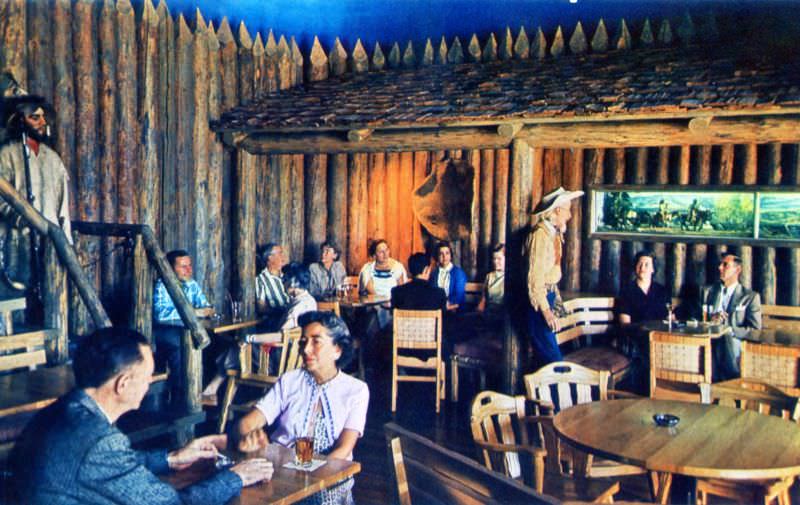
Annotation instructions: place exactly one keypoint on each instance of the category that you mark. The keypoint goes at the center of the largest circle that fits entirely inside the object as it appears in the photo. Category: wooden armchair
(678, 365)
(767, 400)
(780, 317)
(776, 365)
(419, 331)
(562, 384)
(256, 374)
(500, 430)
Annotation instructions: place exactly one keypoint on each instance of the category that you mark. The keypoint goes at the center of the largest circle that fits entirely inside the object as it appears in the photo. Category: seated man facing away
(72, 453)
(449, 277)
(730, 303)
(168, 338)
(419, 294)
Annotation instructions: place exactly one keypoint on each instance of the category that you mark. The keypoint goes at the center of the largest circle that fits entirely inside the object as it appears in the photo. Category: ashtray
(666, 420)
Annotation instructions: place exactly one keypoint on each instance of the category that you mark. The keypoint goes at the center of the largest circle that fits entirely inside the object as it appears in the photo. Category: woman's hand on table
(199, 448)
(252, 471)
(253, 441)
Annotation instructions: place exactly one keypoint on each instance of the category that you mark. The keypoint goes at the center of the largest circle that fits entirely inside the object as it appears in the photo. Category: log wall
(135, 90)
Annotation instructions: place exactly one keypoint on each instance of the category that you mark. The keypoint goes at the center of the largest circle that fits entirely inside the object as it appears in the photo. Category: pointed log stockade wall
(134, 94)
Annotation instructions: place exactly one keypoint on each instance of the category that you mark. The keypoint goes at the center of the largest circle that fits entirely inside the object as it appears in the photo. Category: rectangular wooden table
(34, 389)
(286, 486)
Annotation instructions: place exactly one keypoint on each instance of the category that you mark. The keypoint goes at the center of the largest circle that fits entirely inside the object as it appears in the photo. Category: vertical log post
(357, 210)
(659, 248)
(792, 176)
(108, 140)
(337, 201)
(679, 250)
(54, 300)
(766, 266)
(573, 179)
(500, 204)
(515, 339)
(749, 176)
(486, 196)
(86, 155)
(141, 318)
(612, 249)
(245, 192)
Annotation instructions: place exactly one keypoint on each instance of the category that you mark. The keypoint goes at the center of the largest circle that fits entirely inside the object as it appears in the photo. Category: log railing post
(142, 313)
(54, 301)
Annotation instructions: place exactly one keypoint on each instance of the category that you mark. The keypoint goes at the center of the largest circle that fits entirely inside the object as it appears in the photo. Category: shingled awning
(595, 97)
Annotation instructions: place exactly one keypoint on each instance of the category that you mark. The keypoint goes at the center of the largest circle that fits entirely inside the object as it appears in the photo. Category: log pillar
(519, 207)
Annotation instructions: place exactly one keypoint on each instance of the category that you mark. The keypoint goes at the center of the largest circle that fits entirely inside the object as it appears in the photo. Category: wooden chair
(562, 384)
(419, 331)
(428, 473)
(780, 317)
(767, 400)
(774, 364)
(589, 317)
(333, 306)
(678, 365)
(7, 309)
(257, 374)
(23, 350)
(499, 429)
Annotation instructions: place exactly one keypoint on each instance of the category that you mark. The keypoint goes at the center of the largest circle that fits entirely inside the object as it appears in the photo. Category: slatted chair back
(326, 306)
(749, 395)
(496, 431)
(780, 317)
(256, 373)
(774, 364)
(563, 384)
(417, 330)
(678, 365)
(23, 350)
(7, 309)
(586, 316)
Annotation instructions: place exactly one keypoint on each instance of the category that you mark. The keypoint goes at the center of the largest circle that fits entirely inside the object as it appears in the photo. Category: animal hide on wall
(443, 202)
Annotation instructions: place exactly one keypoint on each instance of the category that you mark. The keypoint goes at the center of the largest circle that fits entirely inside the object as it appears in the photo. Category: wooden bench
(588, 317)
(429, 473)
(780, 317)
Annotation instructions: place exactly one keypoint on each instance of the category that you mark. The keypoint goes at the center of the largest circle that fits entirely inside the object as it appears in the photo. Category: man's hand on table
(199, 448)
(252, 471)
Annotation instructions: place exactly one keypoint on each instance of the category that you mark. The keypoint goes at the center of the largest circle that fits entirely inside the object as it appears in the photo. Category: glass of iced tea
(303, 451)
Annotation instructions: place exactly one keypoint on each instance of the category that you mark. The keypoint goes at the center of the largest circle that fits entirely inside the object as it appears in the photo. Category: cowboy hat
(555, 199)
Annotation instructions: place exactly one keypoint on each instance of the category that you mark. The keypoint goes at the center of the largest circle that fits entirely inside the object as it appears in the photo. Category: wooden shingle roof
(644, 83)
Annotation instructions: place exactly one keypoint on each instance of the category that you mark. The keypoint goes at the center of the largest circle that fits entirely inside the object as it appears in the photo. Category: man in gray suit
(72, 453)
(728, 302)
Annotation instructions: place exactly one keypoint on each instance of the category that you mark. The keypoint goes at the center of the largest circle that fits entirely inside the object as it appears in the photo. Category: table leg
(664, 486)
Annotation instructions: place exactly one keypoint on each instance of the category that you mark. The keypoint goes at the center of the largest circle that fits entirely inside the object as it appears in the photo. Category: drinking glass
(303, 451)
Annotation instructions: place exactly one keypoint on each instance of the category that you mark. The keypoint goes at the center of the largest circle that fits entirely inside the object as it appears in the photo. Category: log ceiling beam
(702, 130)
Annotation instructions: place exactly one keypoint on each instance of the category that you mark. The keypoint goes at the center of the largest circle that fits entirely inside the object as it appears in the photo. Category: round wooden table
(709, 440)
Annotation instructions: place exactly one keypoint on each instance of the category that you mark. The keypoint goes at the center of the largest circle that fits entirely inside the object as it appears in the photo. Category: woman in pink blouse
(318, 400)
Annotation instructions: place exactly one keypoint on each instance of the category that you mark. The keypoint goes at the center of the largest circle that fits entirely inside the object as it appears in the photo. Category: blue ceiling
(387, 21)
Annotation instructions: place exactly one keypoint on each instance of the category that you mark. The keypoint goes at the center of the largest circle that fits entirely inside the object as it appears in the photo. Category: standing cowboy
(544, 249)
(38, 174)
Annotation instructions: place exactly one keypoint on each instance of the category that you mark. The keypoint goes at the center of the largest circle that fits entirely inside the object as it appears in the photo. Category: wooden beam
(379, 141)
(665, 133)
(594, 134)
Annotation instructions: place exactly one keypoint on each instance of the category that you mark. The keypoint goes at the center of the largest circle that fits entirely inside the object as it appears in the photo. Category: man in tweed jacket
(72, 453)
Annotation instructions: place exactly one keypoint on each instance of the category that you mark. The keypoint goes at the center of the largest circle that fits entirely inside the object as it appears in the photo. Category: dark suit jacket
(418, 295)
(458, 285)
(70, 454)
(744, 314)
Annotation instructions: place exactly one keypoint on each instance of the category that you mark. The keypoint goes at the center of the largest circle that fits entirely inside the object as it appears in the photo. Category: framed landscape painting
(697, 214)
